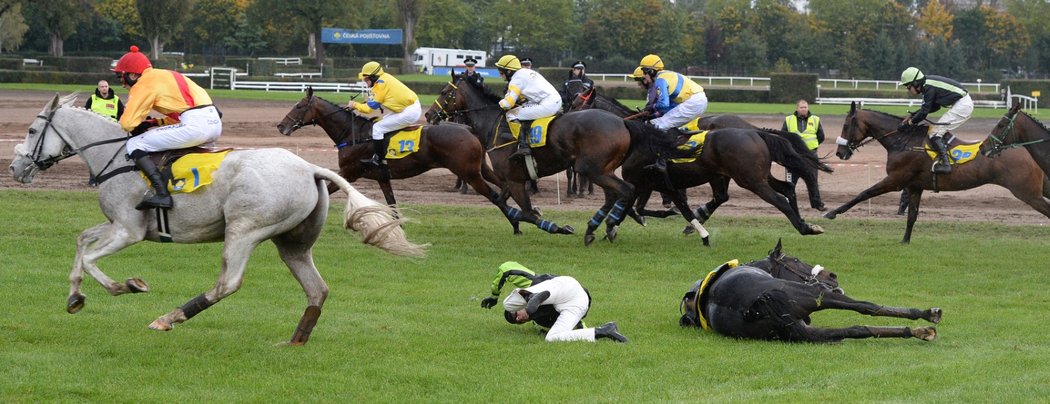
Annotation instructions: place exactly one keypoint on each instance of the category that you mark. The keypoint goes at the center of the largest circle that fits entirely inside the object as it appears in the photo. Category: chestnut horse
(909, 167)
(449, 145)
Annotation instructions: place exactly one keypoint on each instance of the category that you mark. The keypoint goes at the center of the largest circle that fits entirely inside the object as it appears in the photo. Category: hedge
(791, 87)
(11, 64)
(54, 77)
(79, 64)
(1025, 87)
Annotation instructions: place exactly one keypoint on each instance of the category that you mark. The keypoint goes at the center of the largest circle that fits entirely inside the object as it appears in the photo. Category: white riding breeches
(196, 127)
(389, 123)
(683, 113)
(568, 316)
(548, 107)
(957, 115)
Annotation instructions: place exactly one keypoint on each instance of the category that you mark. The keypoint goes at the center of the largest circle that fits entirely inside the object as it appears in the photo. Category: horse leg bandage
(195, 306)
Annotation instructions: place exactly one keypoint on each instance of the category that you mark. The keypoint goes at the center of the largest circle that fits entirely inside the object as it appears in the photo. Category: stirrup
(659, 166)
(941, 168)
(521, 153)
(156, 201)
(374, 162)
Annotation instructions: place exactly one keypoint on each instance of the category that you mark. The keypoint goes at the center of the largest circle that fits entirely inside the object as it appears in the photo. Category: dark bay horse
(595, 142)
(745, 155)
(448, 145)
(751, 301)
(1017, 129)
(908, 166)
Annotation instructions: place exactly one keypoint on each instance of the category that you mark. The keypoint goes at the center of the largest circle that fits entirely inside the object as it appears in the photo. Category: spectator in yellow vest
(105, 102)
(806, 125)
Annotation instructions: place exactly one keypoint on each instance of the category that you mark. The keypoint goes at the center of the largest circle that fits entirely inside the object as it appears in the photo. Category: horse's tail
(648, 137)
(374, 221)
(797, 145)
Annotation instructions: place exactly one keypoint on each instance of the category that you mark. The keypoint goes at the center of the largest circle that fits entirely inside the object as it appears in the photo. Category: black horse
(748, 301)
(744, 156)
(596, 142)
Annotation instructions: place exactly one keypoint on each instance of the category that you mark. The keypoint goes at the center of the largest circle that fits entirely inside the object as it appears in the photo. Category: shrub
(790, 87)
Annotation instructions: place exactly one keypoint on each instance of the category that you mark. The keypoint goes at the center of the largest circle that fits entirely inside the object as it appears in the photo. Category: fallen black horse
(747, 301)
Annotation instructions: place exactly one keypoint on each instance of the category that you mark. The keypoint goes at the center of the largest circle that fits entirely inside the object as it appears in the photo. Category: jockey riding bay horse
(744, 154)
(253, 196)
(596, 142)
(772, 299)
(908, 165)
(447, 145)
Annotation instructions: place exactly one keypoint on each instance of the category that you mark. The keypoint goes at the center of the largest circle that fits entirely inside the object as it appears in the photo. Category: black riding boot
(609, 330)
(523, 141)
(378, 159)
(160, 198)
(660, 165)
(943, 165)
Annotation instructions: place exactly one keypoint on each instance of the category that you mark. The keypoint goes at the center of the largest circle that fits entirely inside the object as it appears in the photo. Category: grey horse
(256, 195)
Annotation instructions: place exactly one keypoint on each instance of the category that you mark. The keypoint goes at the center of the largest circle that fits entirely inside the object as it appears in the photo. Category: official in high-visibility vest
(105, 102)
(190, 118)
(806, 125)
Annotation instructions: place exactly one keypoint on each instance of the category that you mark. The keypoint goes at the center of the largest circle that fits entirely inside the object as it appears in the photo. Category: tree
(935, 22)
(306, 16)
(212, 21)
(124, 12)
(12, 25)
(409, 12)
(57, 17)
(445, 23)
(161, 20)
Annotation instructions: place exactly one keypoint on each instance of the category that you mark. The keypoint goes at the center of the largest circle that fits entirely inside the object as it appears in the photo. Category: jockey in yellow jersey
(191, 119)
(542, 98)
(678, 99)
(386, 91)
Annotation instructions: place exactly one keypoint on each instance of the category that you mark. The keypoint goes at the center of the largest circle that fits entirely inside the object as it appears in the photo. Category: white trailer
(426, 59)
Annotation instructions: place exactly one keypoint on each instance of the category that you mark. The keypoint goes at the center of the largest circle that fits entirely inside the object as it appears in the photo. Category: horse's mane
(372, 119)
(67, 103)
(913, 130)
(612, 100)
(486, 92)
(1041, 124)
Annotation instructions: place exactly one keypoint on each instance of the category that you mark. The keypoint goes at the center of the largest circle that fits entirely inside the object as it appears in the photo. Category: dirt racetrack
(251, 124)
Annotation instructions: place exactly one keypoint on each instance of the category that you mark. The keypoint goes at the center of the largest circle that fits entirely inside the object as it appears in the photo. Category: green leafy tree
(409, 12)
(935, 22)
(444, 24)
(212, 21)
(308, 17)
(247, 38)
(622, 27)
(12, 25)
(161, 20)
(124, 13)
(58, 18)
(536, 29)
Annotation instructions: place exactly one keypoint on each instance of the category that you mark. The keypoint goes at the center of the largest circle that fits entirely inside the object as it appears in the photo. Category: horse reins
(998, 145)
(68, 152)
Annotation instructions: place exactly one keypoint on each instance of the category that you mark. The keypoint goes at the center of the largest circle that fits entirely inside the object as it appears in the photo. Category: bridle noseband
(999, 144)
(68, 151)
(853, 146)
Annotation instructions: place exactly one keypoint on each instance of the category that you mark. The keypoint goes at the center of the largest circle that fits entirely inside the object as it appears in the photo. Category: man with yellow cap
(543, 99)
(676, 99)
(401, 104)
(191, 119)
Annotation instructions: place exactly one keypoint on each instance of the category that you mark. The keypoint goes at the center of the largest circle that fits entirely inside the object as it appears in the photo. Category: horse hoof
(830, 215)
(610, 234)
(160, 325)
(568, 230)
(517, 232)
(688, 230)
(707, 241)
(136, 285)
(814, 230)
(588, 239)
(75, 303)
(925, 333)
(935, 315)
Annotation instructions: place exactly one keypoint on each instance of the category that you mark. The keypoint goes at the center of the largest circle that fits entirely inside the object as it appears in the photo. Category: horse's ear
(53, 104)
(309, 91)
(452, 72)
(777, 250)
(852, 106)
(1015, 108)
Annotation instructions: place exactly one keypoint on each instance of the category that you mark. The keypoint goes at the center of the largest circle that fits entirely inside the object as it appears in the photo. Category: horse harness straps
(999, 144)
(93, 180)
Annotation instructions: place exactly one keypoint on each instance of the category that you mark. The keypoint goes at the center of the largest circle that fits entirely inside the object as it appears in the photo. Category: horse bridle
(443, 113)
(854, 146)
(68, 151)
(1000, 144)
(299, 123)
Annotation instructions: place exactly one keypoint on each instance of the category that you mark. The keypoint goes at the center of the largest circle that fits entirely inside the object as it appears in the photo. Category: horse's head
(44, 145)
(790, 268)
(1003, 132)
(449, 101)
(689, 308)
(302, 114)
(853, 132)
(582, 100)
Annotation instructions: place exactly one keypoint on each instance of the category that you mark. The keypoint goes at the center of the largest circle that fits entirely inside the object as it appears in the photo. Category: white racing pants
(408, 116)
(548, 107)
(957, 115)
(196, 127)
(683, 113)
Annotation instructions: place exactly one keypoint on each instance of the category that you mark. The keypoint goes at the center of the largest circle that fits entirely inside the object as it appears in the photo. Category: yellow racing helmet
(509, 62)
(638, 73)
(651, 62)
(370, 69)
